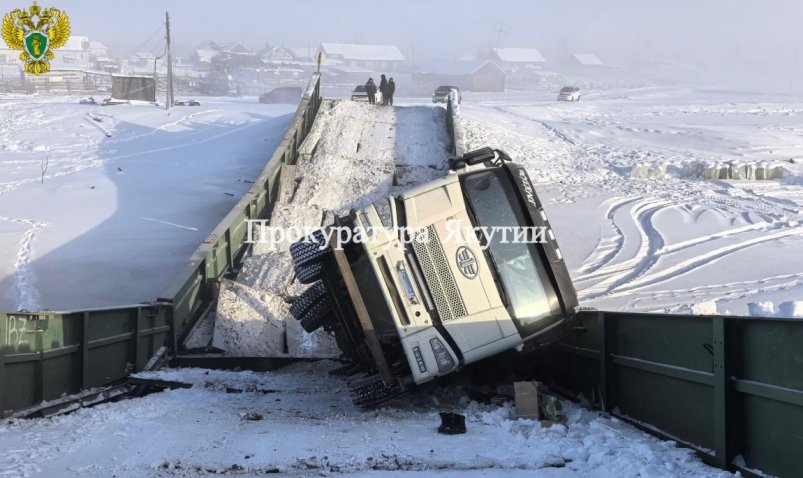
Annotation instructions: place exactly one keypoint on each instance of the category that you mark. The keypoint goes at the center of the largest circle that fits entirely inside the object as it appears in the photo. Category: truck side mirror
(479, 156)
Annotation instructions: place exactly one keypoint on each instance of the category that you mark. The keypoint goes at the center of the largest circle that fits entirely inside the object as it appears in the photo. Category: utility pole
(499, 33)
(169, 99)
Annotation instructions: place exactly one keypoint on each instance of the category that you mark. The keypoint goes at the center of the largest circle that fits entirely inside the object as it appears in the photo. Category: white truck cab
(446, 274)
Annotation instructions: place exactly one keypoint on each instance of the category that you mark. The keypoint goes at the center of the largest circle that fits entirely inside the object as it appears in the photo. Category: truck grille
(438, 275)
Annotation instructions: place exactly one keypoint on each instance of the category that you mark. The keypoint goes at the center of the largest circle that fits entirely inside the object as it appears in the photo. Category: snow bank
(789, 309)
(648, 171)
(705, 308)
(737, 170)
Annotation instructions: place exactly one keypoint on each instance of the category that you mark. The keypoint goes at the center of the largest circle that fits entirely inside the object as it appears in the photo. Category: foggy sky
(619, 31)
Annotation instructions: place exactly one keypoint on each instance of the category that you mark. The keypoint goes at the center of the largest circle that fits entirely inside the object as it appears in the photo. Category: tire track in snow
(722, 292)
(691, 264)
(645, 257)
(608, 248)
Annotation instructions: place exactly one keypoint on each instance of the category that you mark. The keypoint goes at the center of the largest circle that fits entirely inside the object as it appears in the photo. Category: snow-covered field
(299, 421)
(678, 243)
(128, 193)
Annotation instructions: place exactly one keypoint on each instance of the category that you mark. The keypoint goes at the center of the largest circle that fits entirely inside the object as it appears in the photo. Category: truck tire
(371, 390)
(307, 300)
(316, 316)
(307, 256)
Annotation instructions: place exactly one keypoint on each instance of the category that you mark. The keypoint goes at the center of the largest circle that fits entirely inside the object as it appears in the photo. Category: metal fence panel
(732, 387)
(47, 356)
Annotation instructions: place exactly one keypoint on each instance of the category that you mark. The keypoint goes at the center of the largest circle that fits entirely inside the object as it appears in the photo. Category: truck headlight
(442, 356)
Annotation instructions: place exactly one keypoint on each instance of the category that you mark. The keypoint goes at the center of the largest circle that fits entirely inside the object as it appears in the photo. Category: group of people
(386, 87)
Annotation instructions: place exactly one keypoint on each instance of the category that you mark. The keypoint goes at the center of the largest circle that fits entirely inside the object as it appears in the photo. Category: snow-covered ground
(299, 421)
(128, 193)
(677, 243)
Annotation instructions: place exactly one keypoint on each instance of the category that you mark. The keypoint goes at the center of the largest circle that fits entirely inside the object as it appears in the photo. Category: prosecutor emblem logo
(36, 32)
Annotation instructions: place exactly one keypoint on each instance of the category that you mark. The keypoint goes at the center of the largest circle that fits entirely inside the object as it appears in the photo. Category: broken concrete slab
(246, 325)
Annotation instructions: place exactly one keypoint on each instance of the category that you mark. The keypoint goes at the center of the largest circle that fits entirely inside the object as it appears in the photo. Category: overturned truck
(446, 274)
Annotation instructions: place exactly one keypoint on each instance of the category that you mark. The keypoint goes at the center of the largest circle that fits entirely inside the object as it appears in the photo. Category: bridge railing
(46, 355)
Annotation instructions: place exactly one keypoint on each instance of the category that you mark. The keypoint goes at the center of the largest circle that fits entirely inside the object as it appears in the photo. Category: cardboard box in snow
(527, 403)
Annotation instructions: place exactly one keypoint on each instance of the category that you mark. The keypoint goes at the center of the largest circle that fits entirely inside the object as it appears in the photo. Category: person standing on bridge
(391, 90)
(383, 88)
(370, 90)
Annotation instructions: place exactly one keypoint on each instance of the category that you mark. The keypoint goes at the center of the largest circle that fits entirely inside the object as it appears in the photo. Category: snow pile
(242, 312)
(298, 420)
(705, 308)
(789, 309)
(355, 154)
(648, 171)
(737, 170)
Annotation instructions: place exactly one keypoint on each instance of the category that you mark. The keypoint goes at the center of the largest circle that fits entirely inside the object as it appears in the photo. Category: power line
(141, 45)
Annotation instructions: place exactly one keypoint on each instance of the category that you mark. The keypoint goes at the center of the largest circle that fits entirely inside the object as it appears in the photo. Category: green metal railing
(730, 387)
(46, 355)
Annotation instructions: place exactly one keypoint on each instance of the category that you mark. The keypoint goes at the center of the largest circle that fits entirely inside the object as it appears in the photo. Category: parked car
(283, 94)
(441, 94)
(359, 94)
(569, 93)
(413, 300)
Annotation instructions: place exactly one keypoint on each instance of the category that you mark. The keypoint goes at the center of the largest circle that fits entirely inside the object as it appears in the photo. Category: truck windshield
(530, 294)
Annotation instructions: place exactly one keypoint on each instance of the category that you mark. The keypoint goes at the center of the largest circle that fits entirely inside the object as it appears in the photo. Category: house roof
(206, 55)
(237, 48)
(76, 43)
(96, 45)
(350, 51)
(519, 55)
(207, 45)
(588, 59)
(276, 54)
(456, 67)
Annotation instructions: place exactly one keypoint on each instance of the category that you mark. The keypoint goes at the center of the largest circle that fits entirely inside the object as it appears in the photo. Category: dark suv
(441, 94)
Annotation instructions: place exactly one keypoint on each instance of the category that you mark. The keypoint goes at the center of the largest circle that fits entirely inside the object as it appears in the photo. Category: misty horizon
(622, 32)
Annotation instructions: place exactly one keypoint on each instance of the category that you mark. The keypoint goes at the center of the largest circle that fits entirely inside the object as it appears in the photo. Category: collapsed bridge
(721, 385)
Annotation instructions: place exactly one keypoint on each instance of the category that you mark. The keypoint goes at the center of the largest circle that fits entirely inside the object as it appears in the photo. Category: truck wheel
(315, 317)
(307, 256)
(371, 390)
(313, 295)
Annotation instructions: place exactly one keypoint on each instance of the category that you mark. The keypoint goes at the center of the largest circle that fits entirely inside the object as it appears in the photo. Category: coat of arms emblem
(36, 32)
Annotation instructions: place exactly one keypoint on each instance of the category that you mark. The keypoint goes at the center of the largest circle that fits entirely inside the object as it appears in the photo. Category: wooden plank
(371, 339)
